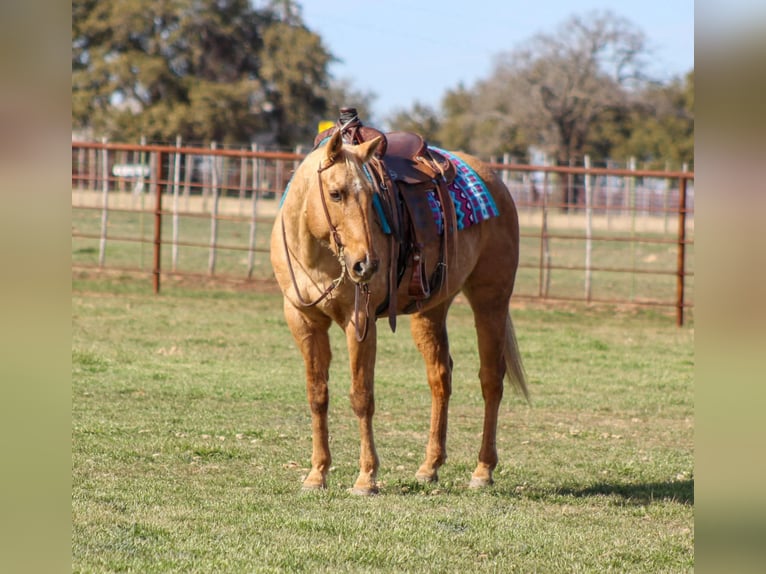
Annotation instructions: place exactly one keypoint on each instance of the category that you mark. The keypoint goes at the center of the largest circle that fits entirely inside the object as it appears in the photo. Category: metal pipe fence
(597, 235)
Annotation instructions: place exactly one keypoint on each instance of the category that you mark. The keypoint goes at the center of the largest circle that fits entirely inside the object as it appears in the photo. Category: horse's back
(486, 252)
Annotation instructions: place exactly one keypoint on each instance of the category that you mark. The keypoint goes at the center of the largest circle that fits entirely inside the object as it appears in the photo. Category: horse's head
(339, 204)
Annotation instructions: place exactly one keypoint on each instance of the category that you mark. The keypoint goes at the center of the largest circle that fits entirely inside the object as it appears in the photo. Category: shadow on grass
(639, 494)
(681, 491)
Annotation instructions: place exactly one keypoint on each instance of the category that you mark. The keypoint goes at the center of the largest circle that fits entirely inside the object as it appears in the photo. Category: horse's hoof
(480, 482)
(364, 490)
(426, 477)
(313, 486)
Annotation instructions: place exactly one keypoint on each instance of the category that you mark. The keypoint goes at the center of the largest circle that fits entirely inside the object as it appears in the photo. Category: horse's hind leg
(313, 339)
(429, 330)
(490, 308)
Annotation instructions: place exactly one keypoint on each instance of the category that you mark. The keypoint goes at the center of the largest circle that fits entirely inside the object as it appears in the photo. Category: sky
(415, 50)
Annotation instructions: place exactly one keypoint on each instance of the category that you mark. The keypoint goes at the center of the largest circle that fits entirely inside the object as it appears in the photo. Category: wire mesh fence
(587, 234)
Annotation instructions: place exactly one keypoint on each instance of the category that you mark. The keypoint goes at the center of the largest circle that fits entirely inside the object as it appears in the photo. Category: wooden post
(140, 188)
(92, 170)
(681, 264)
(251, 241)
(608, 201)
(545, 255)
(176, 190)
(157, 221)
(213, 211)
(104, 203)
(588, 230)
(242, 183)
(633, 209)
(122, 157)
(665, 194)
(569, 193)
(80, 168)
(187, 179)
(505, 174)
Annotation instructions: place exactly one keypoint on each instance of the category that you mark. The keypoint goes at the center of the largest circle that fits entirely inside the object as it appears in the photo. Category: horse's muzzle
(363, 269)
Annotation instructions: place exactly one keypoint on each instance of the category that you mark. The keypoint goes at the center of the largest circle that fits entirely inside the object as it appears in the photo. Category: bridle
(359, 288)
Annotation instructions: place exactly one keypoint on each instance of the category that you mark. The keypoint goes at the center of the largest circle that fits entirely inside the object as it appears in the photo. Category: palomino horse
(331, 256)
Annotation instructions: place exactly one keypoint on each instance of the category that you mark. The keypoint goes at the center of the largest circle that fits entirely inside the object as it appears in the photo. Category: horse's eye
(336, 195)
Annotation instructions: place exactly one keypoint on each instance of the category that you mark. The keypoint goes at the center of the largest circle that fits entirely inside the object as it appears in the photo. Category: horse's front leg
(362, 359)
(429, 331)
(311, 335)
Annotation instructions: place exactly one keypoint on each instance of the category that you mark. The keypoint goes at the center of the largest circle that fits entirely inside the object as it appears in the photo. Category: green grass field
(191, 433)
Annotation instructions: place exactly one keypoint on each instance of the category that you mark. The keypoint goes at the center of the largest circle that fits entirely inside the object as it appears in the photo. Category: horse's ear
(367, 149)
(333, 147)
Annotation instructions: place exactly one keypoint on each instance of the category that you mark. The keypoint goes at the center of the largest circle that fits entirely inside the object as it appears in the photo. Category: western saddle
(403, 171)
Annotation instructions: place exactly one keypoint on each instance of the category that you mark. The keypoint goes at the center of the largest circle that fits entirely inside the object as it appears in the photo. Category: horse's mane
(316, 156)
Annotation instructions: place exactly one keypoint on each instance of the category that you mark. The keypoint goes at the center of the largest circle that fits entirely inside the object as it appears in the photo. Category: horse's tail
(514, 368)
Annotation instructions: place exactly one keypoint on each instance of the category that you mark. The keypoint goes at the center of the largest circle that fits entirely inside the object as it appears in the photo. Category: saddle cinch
(403, 171)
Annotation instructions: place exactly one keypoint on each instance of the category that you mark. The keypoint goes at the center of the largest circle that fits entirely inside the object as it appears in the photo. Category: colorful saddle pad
(473, 202)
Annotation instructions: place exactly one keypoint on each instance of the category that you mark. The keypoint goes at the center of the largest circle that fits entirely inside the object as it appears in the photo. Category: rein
(359, 289)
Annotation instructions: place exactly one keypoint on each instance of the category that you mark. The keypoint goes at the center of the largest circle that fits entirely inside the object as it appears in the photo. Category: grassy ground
(190, 435)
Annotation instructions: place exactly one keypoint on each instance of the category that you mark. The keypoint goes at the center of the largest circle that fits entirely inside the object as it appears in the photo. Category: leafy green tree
(560, 84)
(662, 127)
(204, 69)
(456, 131)
(342, 94)
(421, 119)
(468, 121)
(295, 69)
(657, 129)
(580, 90)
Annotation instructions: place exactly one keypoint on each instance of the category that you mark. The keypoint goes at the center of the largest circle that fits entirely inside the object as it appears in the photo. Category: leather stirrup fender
(419, 288)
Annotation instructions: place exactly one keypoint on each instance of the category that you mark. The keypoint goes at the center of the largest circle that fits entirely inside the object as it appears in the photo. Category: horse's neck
(311, 252)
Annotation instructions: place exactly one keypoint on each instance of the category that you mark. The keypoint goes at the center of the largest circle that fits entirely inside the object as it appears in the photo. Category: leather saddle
(405, 171)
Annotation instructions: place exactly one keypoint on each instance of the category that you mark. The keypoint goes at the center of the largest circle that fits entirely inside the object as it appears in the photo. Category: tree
(581, 90)
(342, 94)
(456, 126)
(421, 119)
(559, 85)
(468, 121)
(662, 126)
(295, 70)
(486, 121)
(204, 69)
(563, 82)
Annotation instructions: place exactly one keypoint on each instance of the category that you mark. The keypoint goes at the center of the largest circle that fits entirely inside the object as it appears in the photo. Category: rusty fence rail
(599, 235)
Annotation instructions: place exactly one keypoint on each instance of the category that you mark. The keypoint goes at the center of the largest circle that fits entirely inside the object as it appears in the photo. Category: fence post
(242, 183)
(505, 175)
(92, 170)
(122, 157)
(157, 221)
(633, 210)
(80, 168)
(681, 266)
(139, 189)
(665, 194)
(545, 255)
(608, 199)
(213, 211)
(104, 202)
(189, 165)
(588, 229)
(253, 223)
(176, 190)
